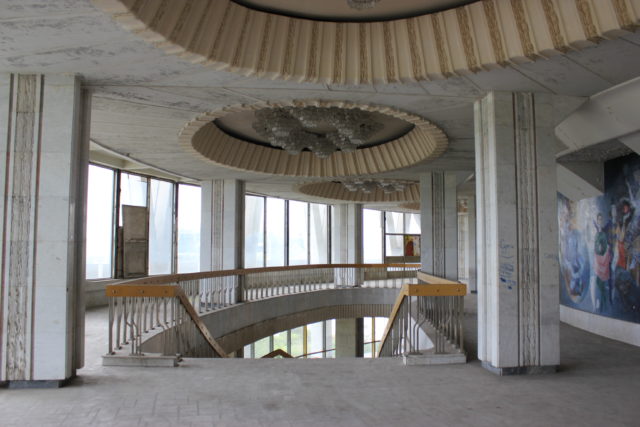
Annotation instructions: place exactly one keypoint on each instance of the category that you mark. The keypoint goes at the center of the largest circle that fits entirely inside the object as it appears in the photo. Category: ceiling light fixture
(362, 4)
(368, 186)
(320, 130)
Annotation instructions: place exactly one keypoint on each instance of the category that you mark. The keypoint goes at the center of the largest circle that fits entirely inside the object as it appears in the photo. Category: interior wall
(600, 255)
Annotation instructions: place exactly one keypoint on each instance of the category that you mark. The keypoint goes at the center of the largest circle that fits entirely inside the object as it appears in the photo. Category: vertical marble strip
(262, 59)
(438, 224)
(337, 61)
(443, 59)
(217, 226)
(527, 220)
(21, 226)
(586, 19)
(494, 31)
(523, 29)
(312, 70)
(554, 25)
(467, 40)
(216, 43)
(235, 62)
(8, 109)
(288, 51)
(389, 54)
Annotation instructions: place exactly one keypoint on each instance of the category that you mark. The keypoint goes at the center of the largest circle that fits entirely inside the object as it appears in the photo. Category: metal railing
(434, 309)
(172, 304)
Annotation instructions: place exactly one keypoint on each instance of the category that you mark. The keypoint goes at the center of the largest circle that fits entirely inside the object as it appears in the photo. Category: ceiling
(142, 97)
(339, 10)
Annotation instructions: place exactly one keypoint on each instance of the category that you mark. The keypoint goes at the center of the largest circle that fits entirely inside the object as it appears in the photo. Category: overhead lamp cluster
(368, 186)
(320, 130)
(362, 4)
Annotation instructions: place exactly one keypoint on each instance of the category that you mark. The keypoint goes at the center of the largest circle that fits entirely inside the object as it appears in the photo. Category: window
(100, 222)
(285, 232)
(298, 233)
(313, 341)
(254, 232)
(372, 236)
(174, 245)
(188, 228)
(275, 232)
(318, 237)
(161, 227)
(402, 234)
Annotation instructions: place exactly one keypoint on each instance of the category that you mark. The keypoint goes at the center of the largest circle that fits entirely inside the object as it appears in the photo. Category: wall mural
(600, 245)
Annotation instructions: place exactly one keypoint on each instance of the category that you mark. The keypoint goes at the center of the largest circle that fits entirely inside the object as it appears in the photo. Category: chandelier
(320, 130)
(368, 186)
(362, 4)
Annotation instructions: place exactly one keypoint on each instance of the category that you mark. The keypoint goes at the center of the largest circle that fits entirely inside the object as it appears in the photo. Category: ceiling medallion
(321, 130)
(368, 186)
(362, 4)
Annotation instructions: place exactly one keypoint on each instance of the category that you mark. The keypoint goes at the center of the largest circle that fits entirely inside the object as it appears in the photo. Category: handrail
(163, 291)
(434, 287)
(277, 352)
(170, 278)
(139, 305)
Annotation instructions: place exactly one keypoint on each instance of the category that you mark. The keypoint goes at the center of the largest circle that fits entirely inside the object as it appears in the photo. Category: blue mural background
(600, 245)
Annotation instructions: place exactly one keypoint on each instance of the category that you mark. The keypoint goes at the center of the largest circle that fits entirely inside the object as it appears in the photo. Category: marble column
(346, 242)
(346, 338)
(44, 123)
(471, 244)
(222, 232)
(517, 239)
(439, 223)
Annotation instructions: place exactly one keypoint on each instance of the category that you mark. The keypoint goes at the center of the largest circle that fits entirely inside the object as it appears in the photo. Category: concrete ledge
(434, 359)
(146, 361)
(520, 370)
(35, 384)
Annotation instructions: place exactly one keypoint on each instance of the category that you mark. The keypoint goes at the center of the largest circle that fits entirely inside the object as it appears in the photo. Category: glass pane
(394, 222)
(298, 233)
(188, 228)
(262, 347)
(368, 329)
(367, 351)
(247, 352)
(395, 245)
(254, 232)
(315, 341)
(372, 236)
(275, 232)
(331, 354)
(331, 334)
(161, 227)
(280, 341)
(99, 222)
(133, 191)
(318, 233)
(380, 325)
(296, 342)
(412, 223)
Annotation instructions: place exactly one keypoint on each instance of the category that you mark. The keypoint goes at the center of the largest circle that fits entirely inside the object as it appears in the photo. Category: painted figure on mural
(605, 279)
(602, 263)
(574, 262)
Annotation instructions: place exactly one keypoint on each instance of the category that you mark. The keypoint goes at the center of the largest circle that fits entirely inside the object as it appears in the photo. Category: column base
(23, 384)
(520, 370)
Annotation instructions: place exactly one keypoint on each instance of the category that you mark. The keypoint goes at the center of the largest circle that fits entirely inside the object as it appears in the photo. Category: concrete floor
(598, 385)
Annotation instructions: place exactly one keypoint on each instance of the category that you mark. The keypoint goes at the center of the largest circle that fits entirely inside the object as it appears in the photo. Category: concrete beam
(580, 180)
(632, 141)
(607, 115)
